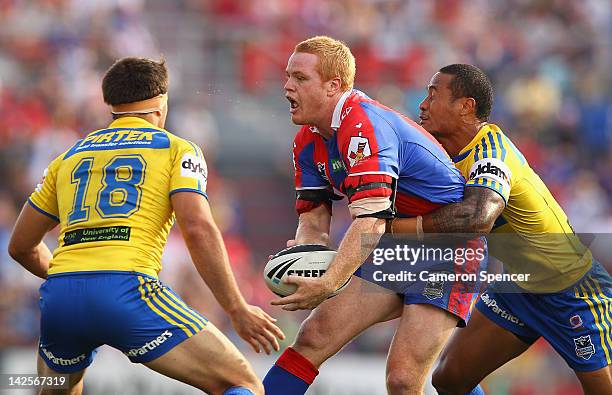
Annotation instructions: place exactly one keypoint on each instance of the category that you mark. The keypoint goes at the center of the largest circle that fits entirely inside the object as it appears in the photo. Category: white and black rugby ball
(306, 260)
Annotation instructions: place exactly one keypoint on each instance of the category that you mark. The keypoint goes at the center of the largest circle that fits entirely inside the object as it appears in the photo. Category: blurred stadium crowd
(549, 62)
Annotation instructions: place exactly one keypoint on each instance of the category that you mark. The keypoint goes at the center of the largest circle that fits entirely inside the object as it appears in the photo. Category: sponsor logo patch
(493, 169)
(584, 347)
(62, 361)
(492, 304)
(337, 165)
(105, 233)
(359, 148)
(194, 167)
(149, 346)
(433, 289)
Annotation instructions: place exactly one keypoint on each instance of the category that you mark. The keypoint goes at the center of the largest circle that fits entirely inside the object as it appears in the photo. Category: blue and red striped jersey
(373, 144)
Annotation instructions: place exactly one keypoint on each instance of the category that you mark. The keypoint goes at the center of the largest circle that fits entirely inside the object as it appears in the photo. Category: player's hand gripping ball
(305, 260)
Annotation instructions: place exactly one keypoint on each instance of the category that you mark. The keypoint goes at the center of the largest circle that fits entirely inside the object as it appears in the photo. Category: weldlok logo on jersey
(584, 347)
(194, 167)
(359, 148)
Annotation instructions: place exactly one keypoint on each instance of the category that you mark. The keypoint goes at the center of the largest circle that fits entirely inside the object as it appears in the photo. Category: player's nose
(423, 104)
(289, 85)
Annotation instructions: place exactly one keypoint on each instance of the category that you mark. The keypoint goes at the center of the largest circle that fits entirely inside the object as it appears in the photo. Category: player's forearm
(313, 227)
(475, 214)
(453, 218)
(357, 244)
(35, 260)
(209, 255)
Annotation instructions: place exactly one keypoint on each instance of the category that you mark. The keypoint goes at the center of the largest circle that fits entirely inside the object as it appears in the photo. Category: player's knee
(251, 381)
(232, 382)
(403, 381)
(255, 385)
(311, 338)
(447, 379)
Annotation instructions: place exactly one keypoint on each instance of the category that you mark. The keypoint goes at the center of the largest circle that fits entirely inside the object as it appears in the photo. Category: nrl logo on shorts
(584, 347)
(433, 289)
(359, 148)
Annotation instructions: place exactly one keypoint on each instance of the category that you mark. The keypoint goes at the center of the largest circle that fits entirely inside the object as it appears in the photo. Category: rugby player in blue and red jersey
(365, 150)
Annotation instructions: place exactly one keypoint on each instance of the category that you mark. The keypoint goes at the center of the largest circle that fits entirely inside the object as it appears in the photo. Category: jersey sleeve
(312, 190)
(44, 197)
(495, 164)
(189, 172)
(370, 149)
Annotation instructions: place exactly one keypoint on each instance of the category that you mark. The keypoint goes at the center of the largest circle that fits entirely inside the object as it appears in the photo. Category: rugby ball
(306, 260)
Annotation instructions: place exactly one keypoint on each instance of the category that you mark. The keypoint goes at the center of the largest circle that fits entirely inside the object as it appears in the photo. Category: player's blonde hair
(335, 59)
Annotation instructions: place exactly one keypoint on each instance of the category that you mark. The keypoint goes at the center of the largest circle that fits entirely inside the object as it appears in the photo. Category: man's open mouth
(293, 104)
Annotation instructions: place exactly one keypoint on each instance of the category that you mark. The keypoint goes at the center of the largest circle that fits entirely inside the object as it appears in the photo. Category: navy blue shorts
(456, 297)
(577, 322)
(132, 312)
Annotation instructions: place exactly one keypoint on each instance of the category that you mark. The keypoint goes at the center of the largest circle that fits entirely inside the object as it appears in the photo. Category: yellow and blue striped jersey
(110, 193)
(538, 238)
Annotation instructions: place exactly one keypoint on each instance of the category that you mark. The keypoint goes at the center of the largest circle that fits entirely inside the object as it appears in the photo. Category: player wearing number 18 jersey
(106, 190)
(115, 194)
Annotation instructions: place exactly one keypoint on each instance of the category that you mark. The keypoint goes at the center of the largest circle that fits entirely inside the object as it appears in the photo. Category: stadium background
(549, 61)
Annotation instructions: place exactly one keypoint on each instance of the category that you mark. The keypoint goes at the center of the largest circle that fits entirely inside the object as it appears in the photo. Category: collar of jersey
(336, 121)
(468, 148)
(131, 122)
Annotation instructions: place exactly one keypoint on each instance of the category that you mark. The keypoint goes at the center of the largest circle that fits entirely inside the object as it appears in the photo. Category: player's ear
(468, 106)
(333, 86)
(163, 113)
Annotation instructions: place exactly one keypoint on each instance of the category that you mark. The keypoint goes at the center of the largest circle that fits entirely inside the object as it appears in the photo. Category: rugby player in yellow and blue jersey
(115, 195)
(567, 298)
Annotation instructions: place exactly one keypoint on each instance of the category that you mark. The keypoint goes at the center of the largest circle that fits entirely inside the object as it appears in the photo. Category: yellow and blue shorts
(132, 312)
(577, 322)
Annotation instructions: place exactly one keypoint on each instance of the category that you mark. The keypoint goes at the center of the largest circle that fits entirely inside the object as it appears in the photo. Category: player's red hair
(335, 59)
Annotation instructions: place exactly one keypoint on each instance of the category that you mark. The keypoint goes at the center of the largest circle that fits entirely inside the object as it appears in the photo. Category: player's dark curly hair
(470, 81)
(134, 79)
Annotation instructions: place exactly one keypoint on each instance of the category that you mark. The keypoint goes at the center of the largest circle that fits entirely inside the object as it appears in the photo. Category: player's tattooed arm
(475, 214)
